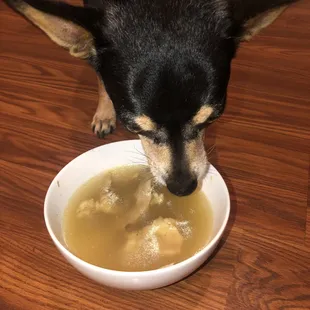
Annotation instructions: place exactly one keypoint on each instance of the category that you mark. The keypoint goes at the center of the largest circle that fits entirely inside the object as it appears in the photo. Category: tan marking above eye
(202, 115)
(145, 123)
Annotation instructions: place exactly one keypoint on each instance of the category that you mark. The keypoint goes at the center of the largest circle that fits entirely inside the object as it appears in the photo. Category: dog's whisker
(137, 161)
(142, 154)
(210, 149)
(137, 152)
(134, 162)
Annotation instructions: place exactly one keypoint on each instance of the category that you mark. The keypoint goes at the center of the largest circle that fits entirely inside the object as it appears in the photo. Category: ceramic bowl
(95, 161)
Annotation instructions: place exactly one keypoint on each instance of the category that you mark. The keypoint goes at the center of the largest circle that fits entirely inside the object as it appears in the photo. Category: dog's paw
(103, 124)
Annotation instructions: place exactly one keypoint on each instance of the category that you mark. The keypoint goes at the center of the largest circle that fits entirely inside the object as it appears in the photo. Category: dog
(163, 67)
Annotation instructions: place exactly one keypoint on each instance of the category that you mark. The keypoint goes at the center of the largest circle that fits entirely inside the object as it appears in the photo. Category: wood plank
(47, 99)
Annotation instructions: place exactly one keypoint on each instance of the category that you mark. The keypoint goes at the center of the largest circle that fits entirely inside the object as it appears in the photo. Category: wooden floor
(262, 143)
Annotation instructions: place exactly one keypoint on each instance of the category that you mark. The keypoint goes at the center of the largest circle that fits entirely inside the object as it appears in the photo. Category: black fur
(163, 58)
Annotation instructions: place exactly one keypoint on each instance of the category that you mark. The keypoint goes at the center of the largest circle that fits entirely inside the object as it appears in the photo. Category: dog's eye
(205, 124)
(156, 137)
(192, 133)
(133, 128)
(211, 119)
(202, 126)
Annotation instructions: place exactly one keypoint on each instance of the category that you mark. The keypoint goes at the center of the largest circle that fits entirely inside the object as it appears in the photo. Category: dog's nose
(182, 187)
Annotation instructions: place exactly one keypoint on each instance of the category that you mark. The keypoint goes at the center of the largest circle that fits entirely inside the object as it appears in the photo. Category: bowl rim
(112, 272)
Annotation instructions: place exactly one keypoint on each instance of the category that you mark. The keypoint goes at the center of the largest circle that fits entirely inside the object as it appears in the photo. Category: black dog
(165, 64)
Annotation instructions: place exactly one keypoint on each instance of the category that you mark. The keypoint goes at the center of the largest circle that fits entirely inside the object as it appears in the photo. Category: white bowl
(89, 164)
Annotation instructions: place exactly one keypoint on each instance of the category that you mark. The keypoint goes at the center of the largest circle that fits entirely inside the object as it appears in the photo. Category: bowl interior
(95, 161)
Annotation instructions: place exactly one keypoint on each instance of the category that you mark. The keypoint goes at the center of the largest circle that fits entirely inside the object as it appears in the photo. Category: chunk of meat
(161, 238)
(106, 184)
(168, 236)
(184, 228)
(108, 203)
(143, 197)
(157, 198)
(86, 208)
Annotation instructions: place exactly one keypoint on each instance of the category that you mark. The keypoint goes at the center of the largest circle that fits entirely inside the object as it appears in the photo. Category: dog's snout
(182, 187)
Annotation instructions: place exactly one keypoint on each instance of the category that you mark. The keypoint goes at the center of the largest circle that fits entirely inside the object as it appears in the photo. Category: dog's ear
(252, 16)
(257, 23)
(69, 26)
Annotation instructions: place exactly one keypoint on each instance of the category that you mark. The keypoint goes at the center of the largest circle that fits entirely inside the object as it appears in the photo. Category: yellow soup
(119, 220)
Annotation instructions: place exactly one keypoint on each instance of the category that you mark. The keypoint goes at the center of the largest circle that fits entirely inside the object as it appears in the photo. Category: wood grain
(47, 100)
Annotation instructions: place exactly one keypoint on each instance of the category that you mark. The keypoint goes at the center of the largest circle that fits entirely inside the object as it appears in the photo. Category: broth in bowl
(120, 220)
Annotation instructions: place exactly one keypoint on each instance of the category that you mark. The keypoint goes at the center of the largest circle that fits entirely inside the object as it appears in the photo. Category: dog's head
(166, 70)
(168, 103)
(165, 65)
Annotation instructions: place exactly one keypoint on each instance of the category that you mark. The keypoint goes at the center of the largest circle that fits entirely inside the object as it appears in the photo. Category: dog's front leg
(104, 120)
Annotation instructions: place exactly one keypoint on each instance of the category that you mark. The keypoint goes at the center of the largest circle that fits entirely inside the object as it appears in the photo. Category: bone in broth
(119, 220)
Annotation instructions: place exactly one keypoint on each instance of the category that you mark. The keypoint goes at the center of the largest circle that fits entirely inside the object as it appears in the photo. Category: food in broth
(120, 220)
